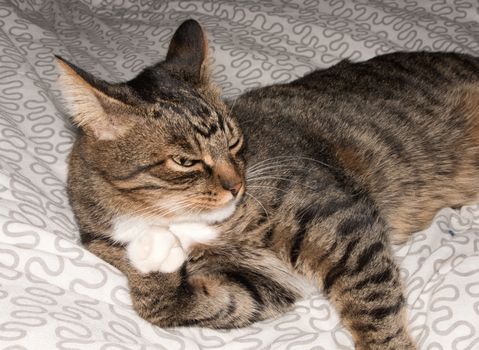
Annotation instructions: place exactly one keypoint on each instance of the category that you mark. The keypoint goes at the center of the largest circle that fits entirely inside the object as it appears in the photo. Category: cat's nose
(234, 186)
(229, 177)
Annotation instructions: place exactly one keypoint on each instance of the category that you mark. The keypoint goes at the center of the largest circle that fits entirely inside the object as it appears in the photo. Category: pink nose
(233, 186)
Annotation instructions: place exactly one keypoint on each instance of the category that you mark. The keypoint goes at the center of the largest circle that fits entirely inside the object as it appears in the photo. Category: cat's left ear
(188, 52)
(92, 103)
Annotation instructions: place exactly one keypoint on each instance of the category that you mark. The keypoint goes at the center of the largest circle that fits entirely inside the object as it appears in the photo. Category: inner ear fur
(95, 112)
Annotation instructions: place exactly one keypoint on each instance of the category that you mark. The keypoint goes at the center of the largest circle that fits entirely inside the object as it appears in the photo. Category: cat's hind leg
(347, 252)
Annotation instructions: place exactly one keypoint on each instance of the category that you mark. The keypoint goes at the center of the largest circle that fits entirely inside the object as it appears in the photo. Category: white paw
(174, 260)
(156, 249)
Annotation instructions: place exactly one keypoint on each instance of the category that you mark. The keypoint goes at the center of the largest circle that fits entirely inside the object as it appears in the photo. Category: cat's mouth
(219, 214)
(206, 204)
(200, 208)
(209, 215)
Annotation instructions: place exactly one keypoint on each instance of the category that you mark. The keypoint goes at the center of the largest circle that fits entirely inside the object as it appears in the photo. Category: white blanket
(54, 294)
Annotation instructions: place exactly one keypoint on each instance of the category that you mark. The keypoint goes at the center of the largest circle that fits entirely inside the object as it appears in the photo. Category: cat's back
(390, 77)
(401, 125)
(402, 93)
(393, 73)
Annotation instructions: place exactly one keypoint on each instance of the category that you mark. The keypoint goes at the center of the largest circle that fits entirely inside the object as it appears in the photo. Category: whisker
(170, 211)
(158, 211)
(268, 162)
(287, 158)
(232, 106)
(261, 204)
(265, 186)
(284, 168)
(259, 178)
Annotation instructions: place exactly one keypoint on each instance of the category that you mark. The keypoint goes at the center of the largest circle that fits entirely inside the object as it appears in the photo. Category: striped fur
(341, 163)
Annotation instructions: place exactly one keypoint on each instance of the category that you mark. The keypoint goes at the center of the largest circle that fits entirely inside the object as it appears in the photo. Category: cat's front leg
(161, 249)
(215, 291)
(156, 250)
(150, 248)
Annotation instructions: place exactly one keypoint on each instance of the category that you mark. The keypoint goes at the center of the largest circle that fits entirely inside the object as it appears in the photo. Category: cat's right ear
(88, 104)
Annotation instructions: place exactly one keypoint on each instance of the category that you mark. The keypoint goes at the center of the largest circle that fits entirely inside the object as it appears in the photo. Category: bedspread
(55, 294)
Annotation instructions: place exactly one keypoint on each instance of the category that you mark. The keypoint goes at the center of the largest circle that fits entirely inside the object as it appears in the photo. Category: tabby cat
(341, 163)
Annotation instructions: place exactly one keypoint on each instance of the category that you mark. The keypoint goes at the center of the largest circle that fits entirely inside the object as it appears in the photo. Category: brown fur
(340, 163)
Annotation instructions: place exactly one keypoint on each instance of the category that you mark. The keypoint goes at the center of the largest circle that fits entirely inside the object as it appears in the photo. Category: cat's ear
(188, 51)
(90, 106)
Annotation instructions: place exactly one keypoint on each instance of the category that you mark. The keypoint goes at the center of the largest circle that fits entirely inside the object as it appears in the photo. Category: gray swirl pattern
(56, 295)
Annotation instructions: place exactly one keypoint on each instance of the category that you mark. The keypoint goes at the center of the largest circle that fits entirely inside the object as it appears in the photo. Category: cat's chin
(210, 216)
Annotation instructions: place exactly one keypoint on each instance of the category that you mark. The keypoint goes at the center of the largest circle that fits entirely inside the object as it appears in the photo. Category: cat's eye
(184, 162)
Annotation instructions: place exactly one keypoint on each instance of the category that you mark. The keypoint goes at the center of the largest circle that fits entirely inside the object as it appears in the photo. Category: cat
(318, 176)
(155, 231)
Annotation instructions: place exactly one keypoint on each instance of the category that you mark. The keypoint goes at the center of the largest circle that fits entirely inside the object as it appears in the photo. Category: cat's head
(164, 141)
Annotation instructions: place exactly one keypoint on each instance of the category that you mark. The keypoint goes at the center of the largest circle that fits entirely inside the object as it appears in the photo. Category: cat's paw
(174, 260)
(156, 250)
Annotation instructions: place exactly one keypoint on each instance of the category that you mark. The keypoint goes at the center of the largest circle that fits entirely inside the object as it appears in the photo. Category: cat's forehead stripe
(205, 130)
(202, 117)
